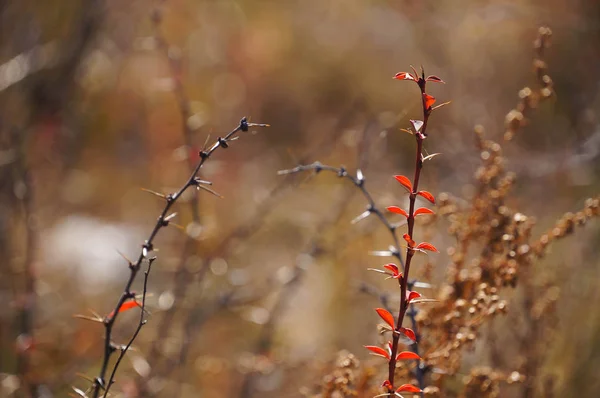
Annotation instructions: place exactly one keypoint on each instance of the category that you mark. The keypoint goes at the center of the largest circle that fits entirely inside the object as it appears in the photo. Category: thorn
(210, 191)
(440, 105)
(125, 257)
(361, 216)
(160, 195)
(169, 217)
(205, 143)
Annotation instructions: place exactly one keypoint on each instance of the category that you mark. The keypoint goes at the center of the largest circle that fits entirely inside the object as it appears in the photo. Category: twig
(141, 323)
(359, 182)
(148, 246)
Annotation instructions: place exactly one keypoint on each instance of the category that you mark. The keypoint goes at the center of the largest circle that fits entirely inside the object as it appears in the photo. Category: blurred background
(257, 292)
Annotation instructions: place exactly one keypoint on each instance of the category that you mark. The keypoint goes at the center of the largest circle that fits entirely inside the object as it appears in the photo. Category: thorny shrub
(495, 250)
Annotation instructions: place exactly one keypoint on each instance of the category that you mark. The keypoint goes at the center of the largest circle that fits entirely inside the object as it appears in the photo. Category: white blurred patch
(88, 248)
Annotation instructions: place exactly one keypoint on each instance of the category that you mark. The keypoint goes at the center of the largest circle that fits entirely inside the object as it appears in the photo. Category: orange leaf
(405, 182)
(435, 79)
(378, 351)
(407, 355)
(412, 295)
(397, 210)
(427, 246)
(427, 195)
(423, 210)
(386, 316)
(393, 268)
(408, 388)
(408, 239)
(429, 100)
(409, 333)
(125, 307)
(404, 76)
(387, 385)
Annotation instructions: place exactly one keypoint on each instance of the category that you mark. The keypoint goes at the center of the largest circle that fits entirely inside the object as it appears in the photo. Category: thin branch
(109, 348)
(359, 182)
(141, 323)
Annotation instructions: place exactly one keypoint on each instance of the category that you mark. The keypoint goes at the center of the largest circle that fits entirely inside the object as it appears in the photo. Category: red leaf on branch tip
(409, 333)
(423, 210)
(393, 268)
(427, 195)
(386, 316)
(125, 307)
(429, 100)
(411, 296)
(378, 351)
(407, 355)
(405, 182)
(408, 388)
(408, 239)
(427, 246)
(404, 76)
(434, 79)
(397, 210)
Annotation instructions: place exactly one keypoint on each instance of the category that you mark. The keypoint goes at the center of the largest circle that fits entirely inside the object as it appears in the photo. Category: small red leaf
(408, 388)
(404, 76)
(386, 316)
(405, 182)
(435, 79)
(407, 355)
(378, 351)
(409, 333)
(397, 210)
(423, 210)
(410, 296)
(387, 385)
(125, 307)
(429, 100)
(394, 270)
(408, 239)
(427, 195)
(427, 246)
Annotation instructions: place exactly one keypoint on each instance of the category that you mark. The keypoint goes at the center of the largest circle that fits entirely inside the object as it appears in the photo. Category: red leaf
(397, 210)
(394, 270)
(407, 355)
(125, 307)
(427, 246)
(408, 239)
(386, 316)
(387, 385)
(409, 333)
(427, 196)
(404, 76)
(405, 182)
(435, 79)
(423, 210)
(411, 296)
(429, 100)
(378, 351)
(408, 388)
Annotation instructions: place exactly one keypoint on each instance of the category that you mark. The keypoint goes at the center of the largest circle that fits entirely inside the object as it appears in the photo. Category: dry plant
(495, 249)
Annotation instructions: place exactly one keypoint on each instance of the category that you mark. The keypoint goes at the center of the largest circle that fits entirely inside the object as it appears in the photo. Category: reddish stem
(420, 136)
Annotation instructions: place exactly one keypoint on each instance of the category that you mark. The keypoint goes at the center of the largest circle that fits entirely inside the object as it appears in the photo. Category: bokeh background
(257, 293)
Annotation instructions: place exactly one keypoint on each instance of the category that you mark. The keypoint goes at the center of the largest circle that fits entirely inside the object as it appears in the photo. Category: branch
(148, 246)
(359, 182)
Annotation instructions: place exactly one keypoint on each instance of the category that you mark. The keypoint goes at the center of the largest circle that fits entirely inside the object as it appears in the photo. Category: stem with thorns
(134, 267)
